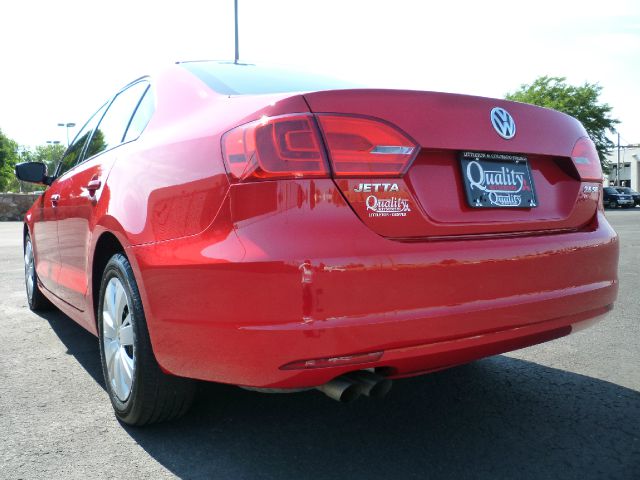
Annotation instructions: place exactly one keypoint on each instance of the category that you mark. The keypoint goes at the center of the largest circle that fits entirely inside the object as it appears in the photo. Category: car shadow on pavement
(496, 418)
(79, 342)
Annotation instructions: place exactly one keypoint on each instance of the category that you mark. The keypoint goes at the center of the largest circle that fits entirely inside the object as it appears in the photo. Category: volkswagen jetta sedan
(281, 231)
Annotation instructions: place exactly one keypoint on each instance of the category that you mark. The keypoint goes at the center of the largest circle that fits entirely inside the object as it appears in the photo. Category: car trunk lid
(430, 200)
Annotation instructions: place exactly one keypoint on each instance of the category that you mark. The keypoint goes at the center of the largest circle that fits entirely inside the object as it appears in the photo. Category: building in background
(629, 174)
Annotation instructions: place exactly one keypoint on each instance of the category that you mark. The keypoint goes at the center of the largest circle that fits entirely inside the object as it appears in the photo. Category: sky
(61, 59)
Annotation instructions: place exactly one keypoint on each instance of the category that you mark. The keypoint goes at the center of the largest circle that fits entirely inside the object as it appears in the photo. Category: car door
(45, 227)
(84, 195)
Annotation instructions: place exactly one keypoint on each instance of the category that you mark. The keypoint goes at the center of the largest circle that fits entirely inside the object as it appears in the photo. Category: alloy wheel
(29, 267)
(118, 341)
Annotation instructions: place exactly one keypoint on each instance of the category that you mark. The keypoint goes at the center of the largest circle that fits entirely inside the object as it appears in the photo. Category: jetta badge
(503, 123)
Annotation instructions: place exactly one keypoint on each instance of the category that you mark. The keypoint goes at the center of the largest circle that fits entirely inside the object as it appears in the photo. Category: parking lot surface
(565, 409)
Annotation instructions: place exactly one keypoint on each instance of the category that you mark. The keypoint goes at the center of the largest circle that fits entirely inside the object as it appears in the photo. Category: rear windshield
(611, 190)
(245, 79)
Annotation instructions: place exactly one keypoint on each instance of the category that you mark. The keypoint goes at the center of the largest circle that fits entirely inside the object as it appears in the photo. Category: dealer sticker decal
(387, 207)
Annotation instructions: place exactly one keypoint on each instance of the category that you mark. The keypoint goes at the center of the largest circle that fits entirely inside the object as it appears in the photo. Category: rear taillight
(586, 160)
(275, 147)
(290, 146)
(364, 147)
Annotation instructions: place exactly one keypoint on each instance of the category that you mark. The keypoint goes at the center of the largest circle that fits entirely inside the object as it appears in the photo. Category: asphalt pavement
(566, 409)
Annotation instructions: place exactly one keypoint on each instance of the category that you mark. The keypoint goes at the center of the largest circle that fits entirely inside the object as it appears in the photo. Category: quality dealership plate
(497, 180)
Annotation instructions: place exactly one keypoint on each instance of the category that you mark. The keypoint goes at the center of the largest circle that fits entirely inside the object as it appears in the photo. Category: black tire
(36, 299)
(153, 395)
(613, 204)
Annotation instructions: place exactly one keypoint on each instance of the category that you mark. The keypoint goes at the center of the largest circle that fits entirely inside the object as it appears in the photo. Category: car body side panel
(171, 182)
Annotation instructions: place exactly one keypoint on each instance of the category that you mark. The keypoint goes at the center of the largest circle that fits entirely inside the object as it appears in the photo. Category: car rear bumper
(260, 290)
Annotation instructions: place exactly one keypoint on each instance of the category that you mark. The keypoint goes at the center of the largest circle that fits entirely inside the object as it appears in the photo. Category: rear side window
(112, 127)
(141, 117)
(74, 153)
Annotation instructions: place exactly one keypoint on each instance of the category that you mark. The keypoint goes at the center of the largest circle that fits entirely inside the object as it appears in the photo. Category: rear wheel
(139, 391)
(37, 301)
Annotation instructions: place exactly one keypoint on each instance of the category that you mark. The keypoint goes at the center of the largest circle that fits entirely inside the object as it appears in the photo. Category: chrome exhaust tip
(347, 388)
(373, 385)
(341, 389)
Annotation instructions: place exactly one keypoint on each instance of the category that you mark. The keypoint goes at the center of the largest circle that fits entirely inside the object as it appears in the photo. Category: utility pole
(618, 169)
(235, 6)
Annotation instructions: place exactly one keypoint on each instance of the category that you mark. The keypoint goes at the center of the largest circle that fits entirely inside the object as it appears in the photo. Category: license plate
(497, 180)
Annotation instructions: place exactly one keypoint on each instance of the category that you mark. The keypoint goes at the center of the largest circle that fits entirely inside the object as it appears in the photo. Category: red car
(280, 231)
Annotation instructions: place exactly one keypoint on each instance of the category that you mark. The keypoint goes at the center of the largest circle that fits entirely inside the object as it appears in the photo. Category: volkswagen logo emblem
(503, 123)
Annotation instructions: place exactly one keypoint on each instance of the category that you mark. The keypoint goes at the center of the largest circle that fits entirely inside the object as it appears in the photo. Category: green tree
(49, 155)
(8, 158)
(580, 102)
(11, 153)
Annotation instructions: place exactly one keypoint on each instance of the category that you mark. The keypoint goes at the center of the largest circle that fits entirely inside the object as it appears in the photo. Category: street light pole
(68, 126)
(21, 152)
(618, 170)
(235, 9)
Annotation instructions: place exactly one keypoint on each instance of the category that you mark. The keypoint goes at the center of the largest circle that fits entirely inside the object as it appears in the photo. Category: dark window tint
(141, 117)
(111, 129)
(611, 190)
(74, 152)
(244, 79)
